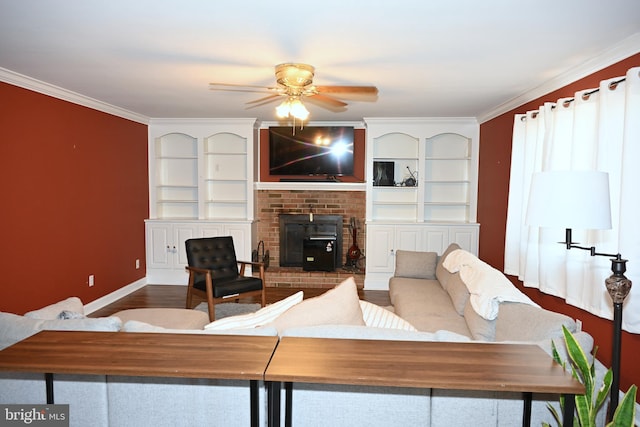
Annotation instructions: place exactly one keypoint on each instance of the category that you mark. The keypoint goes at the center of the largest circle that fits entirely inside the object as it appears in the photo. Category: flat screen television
(313, 150)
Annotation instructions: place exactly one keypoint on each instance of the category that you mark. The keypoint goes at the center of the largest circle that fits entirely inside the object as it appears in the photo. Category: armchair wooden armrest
(260, 265)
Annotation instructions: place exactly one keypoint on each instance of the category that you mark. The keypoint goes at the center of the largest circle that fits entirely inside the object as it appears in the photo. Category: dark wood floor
(174, 296)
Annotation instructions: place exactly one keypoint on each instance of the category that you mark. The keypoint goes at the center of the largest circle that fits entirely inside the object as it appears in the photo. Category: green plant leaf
(583, 409)
(555, 415)
(580, 360)
(604, 390)
(626, 411)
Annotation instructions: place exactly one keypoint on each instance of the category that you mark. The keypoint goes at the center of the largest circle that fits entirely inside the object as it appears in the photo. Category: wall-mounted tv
(312, 150)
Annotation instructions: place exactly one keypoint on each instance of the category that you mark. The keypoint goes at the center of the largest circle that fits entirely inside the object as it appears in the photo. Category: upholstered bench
(171, 318)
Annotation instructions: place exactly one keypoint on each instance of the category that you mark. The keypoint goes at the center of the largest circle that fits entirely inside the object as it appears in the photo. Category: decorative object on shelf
(354, 253)
(580, 199)
(260, 255)
(294, 81)
(412, 181)
(383, 173)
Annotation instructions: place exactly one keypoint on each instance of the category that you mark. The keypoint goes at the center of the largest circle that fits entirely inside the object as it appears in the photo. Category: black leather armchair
(214, 274)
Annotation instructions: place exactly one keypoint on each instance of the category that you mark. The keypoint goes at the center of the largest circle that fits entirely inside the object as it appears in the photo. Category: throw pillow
(378, 317)
(261, 317)
(442, 274)
(338, 306)
(52, 311)
(416, 265)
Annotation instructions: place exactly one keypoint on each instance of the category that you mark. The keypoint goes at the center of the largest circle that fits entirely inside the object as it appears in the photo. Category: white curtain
(597, 129)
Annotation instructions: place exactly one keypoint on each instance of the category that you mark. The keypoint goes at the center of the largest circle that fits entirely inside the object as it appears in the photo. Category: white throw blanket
(488, 287)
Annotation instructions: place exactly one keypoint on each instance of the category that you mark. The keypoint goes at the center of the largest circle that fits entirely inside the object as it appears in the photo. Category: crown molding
(628, 47)
(44, 88)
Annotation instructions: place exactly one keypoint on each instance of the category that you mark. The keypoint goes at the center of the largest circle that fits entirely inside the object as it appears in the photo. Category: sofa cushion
(458, 292)
(425, 305)
(442, 274)
(416, 265)
(481, 328)
(371, 333)
(98, 324)
(378, 317)
(261, 317)
(14, 328)
(524, 322)
(337, 306)
(137, 326)
(175, 318)
(53, 311)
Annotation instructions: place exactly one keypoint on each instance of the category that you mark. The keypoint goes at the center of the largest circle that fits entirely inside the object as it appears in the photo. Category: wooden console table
(147, 355)
(441, 365)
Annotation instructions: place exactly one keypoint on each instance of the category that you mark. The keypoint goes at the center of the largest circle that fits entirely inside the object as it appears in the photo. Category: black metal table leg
(255, 406)
(526, 415)
(48, 379)
(273, 403)
(569, 408)
(288, 404)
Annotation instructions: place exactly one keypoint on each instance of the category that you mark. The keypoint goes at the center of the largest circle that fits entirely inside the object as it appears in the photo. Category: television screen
(319, 150)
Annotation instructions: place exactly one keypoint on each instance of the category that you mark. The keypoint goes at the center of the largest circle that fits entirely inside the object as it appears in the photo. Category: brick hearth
(271, 203)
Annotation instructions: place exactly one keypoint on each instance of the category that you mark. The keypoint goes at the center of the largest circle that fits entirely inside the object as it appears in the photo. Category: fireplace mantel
(311, 186)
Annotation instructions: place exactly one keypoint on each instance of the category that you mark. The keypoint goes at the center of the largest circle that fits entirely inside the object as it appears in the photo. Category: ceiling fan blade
(328, 100)
(368, 90)
(243, 88)
(263, 101)
(224, 86)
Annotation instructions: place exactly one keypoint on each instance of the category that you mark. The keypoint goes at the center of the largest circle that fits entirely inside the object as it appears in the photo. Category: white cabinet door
(212, 230)
(166, 245)
(380, 244)
(159, 239)
(181, 233)
(466, 237)
(408, 238)
(241, 241)
(436, 239)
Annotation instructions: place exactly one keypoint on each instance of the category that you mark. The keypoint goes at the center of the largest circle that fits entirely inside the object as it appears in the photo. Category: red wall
(493, 189)
(74, 199)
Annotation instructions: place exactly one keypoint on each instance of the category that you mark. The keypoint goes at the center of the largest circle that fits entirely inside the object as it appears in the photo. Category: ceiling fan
(295, 81)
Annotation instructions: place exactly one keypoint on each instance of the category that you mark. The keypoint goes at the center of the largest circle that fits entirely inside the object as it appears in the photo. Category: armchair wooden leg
(212, 309)
(189, 293)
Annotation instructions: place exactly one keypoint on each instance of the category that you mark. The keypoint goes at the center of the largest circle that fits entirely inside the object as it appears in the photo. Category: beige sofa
(426, 309)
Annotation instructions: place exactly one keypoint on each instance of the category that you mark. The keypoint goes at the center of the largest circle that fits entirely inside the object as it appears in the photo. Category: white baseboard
(114, 296)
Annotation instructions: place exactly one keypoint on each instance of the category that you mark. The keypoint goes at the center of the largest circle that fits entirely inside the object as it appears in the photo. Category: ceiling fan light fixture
(298, 110)
(294, 75)
(292, 107)
(283, 110)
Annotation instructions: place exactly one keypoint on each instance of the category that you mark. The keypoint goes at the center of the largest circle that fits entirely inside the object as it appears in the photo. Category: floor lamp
(580, 199)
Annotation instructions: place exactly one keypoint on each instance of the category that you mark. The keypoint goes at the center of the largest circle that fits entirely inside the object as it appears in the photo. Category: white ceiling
(438, 58)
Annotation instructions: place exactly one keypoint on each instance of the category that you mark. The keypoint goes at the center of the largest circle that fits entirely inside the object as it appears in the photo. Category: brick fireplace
(271, 203)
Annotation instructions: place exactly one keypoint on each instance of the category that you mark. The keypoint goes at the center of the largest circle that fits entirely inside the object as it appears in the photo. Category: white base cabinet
(383, 240)
(166, 253)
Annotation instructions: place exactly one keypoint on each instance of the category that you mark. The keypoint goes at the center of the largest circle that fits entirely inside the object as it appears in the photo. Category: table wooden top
(441, 365)
(141, 354)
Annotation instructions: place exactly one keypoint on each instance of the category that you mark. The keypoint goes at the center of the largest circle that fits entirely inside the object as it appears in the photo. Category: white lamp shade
(569, 199)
